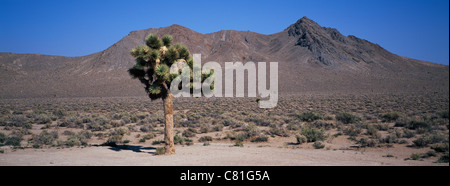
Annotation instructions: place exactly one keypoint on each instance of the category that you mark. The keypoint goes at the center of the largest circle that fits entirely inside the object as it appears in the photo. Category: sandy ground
(215, 154)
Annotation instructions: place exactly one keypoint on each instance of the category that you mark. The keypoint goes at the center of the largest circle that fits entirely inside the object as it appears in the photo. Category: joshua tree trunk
(168, 131)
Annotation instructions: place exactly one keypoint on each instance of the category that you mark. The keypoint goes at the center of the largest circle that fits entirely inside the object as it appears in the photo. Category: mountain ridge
(312, 58)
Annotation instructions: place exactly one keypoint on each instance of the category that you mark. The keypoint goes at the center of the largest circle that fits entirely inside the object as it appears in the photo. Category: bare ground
(216, 154)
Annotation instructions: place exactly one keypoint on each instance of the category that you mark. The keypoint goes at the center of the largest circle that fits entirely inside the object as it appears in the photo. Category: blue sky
(413, 28)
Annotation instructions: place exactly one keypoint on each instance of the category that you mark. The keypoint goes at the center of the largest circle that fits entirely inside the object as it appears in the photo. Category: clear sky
(417, 29)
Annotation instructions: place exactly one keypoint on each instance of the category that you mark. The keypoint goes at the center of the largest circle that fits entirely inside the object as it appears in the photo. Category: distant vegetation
(128, 121)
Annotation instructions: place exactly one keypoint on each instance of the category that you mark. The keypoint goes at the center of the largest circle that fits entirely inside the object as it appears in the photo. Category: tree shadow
(134, 148)
(292, 143)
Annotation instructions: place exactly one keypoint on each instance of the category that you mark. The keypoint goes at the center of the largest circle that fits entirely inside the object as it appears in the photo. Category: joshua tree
(152, 69)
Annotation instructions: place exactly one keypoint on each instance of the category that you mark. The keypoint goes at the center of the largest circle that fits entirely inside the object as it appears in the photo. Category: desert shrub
(313, 134)
(292, 126)
(102, 119)
(438, 138)
(189, 121)
(328, 118)
(205, 138)
(68, 133)
(260, 139)
(423, 141)
(323, 124)
(3, 121)
(301, 139)
(431, 119)
(444, 114)
(430, 154)
(235, 124)
(390, 117)
(179, 139)
(318, 145)
(27, 125)
(99, 123)
(38, 111)
(389, 139)
(398, 133)
(251, 130)
(45, 138)
(190, 132)
(62, 123)
(75, 141)
(189, 142)
(160, 151)
(371, 130)
(146, 128)
(369, 117)
(443, 159)
(193, 115)
(227, 120)
(119, 132)
(440, 147)
(414, 125)
(415, 156)
(408, 133)
(60, 113)
(366, 142)
(2, 138)
(241, 136)
(347, 118)
(352, 131)
(258, 120)
(134, 119)
(382, 127)
(117, 123)
(204, 128)
(117, 116)
(239, 144)
(402, 122)
(309, 116)
(278, 131)
(100, 135)
(421, 131)
(19, 121)
(337, 134)
(95, 127)
(17, 112)
(217, 127)
(113, 140)
(126, 119)
(141, 116)
(71, 122)
(20, 132)
(42, 119)
(157, 142)
(149, 136)
(13, 141)
(85, 134)
(230, 135)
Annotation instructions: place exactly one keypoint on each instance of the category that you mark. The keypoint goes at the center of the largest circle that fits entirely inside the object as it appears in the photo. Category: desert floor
(377, 130)
(220, 154)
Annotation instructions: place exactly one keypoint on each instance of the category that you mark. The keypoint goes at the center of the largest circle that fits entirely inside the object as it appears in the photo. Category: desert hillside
(312, 59)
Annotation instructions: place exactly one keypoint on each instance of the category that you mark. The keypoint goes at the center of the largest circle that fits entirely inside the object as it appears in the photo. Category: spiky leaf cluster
(153, 62)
